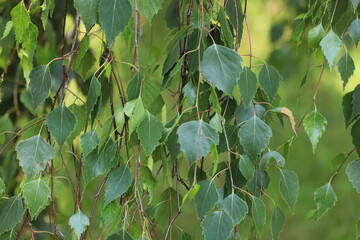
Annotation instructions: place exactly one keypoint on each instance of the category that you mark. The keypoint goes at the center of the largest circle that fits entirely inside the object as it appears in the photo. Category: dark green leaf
(346, 67)
(236, 16)
(118, 182)
(221, 66)
(235, 207)
(259, 183)
(255, 135)
(122, 235)
(246, 166)
(206, 198)
(61, 123)
(114, 16)
(149, 8)
(133, 88)
(289, 187)
(348, 107)
(195, 138)
(247, 85)
(269, 79)
(314, 124)
(355, 103)
(325, 198)
(11, 212)
(34, 153)
(280, 161)
(2, 187)
(277, 223)
(89, 142)
(80, 115)
(217, 225)
(353, 173)
(36, 195)
(355, 133)
(189, 92)
(87, 10)
(40, 84)
(225, 28)
(314, 37)
(258, 212)
(79, 222)
(244, 113)
(331, 45)
(94, 93)
(150, 91)
(354, 30)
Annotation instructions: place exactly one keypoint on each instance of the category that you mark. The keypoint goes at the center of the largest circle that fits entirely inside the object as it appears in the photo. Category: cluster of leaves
(210, 138)
(334, 27)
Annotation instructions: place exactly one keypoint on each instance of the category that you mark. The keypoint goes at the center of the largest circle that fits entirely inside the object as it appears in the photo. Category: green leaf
(87, 10)
(277, 223)
(40, 84)
(355, 4)
(206, 197)
(280, 160)
(48, 8)
(135, 110)
(61, 123)
(122, 235)
(353, 173)
(258, 212)
(36, 195)
(247, 85)
(314, 124)
(8, 27)
(331, 45)
(355, 103)
(99, 162)
(346, 67)
(118, 182)
(235, 207)
(355, 133)
(246, 166)
(269, 79)
(195, 138)
(79, 222)
(255, 135)
(11, 212)
(221, 66)
(227, 33)
(149, 8)
(314, 37)
(354, 31)
(94, 94)
(111, 217)
(30, 41)
(114, 16)
(236, 16)
(348, 107)
(34, 153)
(149, 132)
(89, 142)
(259, 183)
(289, 187)
(217, 225)
(2, 187)
(244, 113)
(150, 91)
(106, 131)
(325, 198)
(357, 228)
(189, 92)
(149, 181)
(21, 19)
(80, 115)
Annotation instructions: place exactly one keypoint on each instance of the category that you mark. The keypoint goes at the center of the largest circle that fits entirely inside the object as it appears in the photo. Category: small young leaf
(330, 46)
(9, 25)
(354, 31)
(255, 135)
(114, 16)
(79, 222)
(258, 212)
(221, 66)
(40, 84)
(150, 131)
(21, 19)
(195, 138)
(150, 8)
(247, 85)
(346, 67)
(217, 225)
(94, 94)
(246, 166)
(206, 198)
(87, 10)
(89, 142)
(325, 198)
(314, 124)
(118, 182)
(314, 37)
(269, 79)
(48, 8)
(11, 212)
(34, 153)
(353, 173)
(289, 187)
(277, 223)
(61, 123)
(36, 195)
(235, 207)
